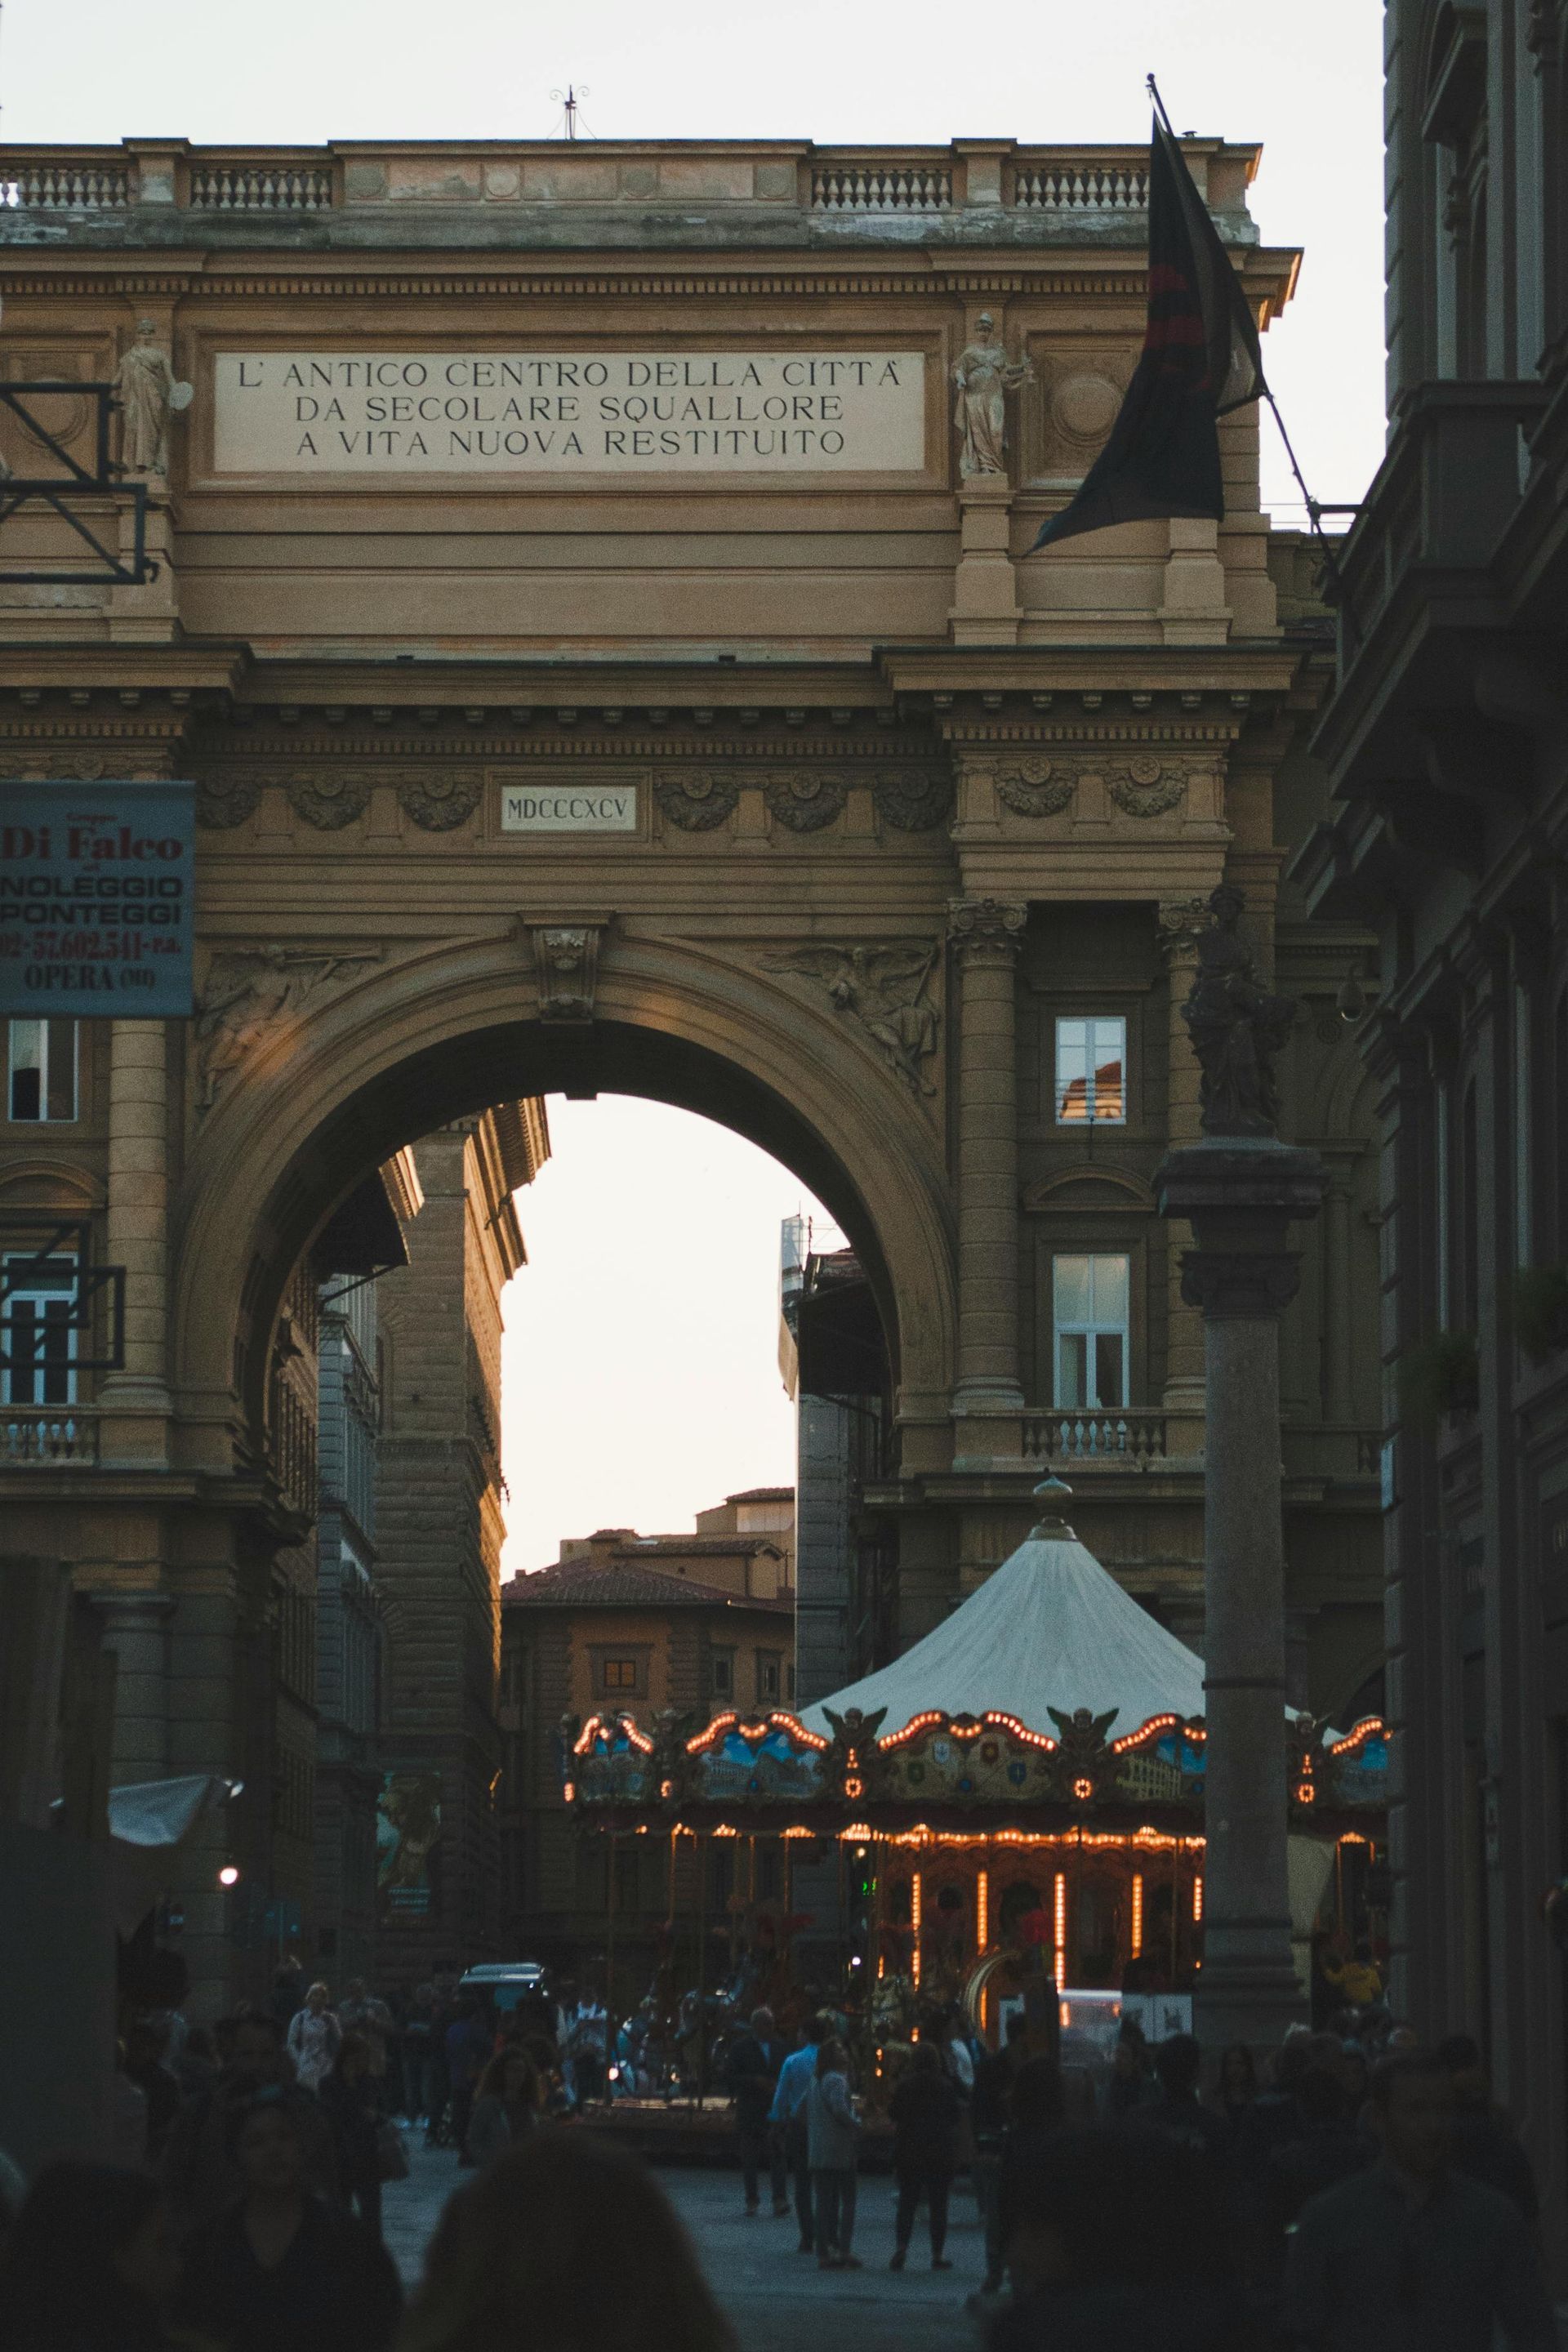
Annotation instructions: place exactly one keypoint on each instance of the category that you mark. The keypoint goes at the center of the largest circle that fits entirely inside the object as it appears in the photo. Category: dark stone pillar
(1240, 1194)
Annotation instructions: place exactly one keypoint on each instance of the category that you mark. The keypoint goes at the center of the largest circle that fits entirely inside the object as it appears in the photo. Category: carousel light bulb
(228, 1876)
(1137, 1913)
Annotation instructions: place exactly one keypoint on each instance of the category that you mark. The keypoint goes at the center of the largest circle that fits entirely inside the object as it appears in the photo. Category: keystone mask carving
(567, 958)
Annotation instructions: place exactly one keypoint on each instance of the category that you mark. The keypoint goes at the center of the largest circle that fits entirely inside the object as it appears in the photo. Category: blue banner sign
(97, 899)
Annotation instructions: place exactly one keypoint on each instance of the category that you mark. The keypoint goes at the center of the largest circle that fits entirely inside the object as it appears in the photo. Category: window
(40, 1336)
(1091, 1063)
(42, 1073)
(721, 1674)
(789, 1685)
(769, 1673)
(1090, 1298)
(621, 1675)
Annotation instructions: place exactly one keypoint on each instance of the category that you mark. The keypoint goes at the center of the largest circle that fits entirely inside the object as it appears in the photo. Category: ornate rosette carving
(804, 799)
(911, 800)
(328, 802)
(1142, 788)
(696, 799)
(1032, 786)
(438, 801)
(223, 801)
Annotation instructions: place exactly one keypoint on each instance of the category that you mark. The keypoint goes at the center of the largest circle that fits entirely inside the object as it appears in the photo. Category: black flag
(1200, 359)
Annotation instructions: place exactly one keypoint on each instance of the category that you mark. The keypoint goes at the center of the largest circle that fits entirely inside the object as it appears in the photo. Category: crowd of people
(1361, 2190)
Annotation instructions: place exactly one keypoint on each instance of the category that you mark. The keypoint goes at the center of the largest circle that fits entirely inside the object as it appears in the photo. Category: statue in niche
(1236, 1025)
(984, 376)
(149, 393)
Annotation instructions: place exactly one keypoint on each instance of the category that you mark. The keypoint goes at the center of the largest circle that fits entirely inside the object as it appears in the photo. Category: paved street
(778, 2299)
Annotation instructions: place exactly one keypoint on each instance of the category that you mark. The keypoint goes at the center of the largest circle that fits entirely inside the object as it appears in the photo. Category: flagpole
(1314, 510)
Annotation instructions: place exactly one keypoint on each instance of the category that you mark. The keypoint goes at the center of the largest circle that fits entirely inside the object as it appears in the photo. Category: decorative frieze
(911, 800)
(439, 799)
(1033, 785)
(329, 800)
(1146, 788)
(804, 799)
(695, 799)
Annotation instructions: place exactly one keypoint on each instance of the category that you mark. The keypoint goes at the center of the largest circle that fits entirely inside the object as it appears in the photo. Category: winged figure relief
(885, 989)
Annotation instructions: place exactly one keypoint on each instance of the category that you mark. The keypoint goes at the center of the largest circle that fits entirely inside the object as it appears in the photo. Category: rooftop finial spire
(1050, 1490)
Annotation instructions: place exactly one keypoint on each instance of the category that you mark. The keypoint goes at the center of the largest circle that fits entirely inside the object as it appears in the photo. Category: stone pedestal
(1240, 1196)
(986, 936)
(985, 591)
(150, 614)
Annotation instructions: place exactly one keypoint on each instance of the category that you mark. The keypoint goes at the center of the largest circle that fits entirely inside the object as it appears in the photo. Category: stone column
(1339, 1392)
(985, 935)
(136, 1631)
(136, 1400)
(1180, 922)
(1240, 1194)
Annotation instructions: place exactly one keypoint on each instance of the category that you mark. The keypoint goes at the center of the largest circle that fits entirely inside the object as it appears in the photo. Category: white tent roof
(1049, 1628)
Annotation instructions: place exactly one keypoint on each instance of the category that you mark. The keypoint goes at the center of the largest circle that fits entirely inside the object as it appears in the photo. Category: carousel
(1011, 1812)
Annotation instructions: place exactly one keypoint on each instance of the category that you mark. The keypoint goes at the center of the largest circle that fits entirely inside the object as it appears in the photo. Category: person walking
(993, 2077)
(467, 2055)
(753, 2070)
(1412, 2255)
(1029, 2149)
(833, 2132)
(363, 2012)
(1178, 2112)
(506, 2109)
(90, 2263)
(315, 2037)
(926, 2111)
(352, 2104)
(283, 2271)
(788, 2117)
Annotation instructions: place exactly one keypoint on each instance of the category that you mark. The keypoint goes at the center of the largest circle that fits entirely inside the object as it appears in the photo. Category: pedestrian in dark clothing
(927, 2110)
(993, 2077)
(1131, 2084)
(753, 2072)
(1118, 2246)
(144, 2048)
(467, 2055)
(1412, 2255)
(284, 2271)
(351, 2102)
(1177, 2112)
(1274, 2117)
(90, 2265)
(507, 2108)
(199, 2171)
(1237, 2089)
(1486, 2145)
(1034, 2125)
(1330, 2149)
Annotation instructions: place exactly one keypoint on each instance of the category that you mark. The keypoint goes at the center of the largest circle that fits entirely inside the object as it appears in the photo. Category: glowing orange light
(982, 1909)
(570, 1791)
(915, 1908)
(1061, 1927)
(1305, 1793)
(1370, 1727)
(1199, 1897)
(1083, 1790)
(853, 1789)
(1137, 1913)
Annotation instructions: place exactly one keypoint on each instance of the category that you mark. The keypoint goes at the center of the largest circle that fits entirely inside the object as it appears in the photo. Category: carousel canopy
(1049, 1630)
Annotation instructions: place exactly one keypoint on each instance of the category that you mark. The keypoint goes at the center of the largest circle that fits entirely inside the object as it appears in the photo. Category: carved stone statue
(884, 990)
(1236, 1025)
(244, 1000)
(985, 375)
(149, 392)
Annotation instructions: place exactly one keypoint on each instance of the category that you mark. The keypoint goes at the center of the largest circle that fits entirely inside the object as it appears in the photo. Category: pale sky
(641, 1339)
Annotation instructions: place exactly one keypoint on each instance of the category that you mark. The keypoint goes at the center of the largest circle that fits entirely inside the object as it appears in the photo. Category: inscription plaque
(569, 413)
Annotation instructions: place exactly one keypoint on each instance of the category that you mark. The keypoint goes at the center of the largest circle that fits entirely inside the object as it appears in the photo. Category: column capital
(1178, 922)
(986, 930)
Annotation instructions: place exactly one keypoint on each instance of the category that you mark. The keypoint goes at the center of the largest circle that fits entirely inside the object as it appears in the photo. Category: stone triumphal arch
(591, 598)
